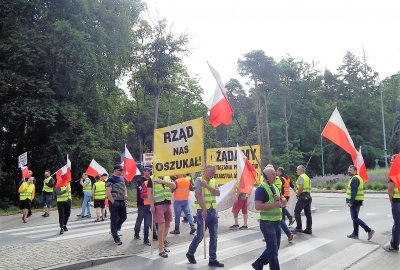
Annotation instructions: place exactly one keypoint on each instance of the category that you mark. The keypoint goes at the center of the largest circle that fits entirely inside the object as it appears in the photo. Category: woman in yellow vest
(99, 196)
(26, 196)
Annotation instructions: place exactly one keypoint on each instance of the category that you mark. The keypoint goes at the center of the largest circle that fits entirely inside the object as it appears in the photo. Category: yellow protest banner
(224, 160)
(178, 149)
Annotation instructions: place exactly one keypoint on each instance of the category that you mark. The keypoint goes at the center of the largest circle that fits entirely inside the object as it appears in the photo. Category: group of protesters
(155, 196)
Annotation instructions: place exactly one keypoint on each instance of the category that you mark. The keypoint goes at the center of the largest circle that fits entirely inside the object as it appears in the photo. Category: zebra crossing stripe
(291, 252)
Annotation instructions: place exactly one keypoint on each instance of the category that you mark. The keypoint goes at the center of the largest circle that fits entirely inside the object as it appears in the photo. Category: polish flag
(361, 169)
(394, 171)
(246, 174)
(63, 175)
(130, 167)
(336, 131)
(95, 169)
(220, 109)
(25, 171)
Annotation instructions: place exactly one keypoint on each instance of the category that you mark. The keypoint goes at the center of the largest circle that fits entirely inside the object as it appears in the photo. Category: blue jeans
(212, 225)
(118, 216)
(86, 203)
(144, 214)
(394, 242)
(285, 213)
(285, 228)
(272, 235)
(354, 210)
(46, 199)
(180, 206)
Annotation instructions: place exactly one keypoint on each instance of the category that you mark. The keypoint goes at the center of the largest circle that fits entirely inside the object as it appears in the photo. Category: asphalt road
(327, 248)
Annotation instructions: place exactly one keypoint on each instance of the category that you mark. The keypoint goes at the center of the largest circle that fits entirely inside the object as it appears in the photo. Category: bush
(328, 187)
(369, 186)
(339, 186)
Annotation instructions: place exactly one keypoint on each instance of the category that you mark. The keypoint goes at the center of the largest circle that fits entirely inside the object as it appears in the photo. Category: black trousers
(64, 211)
(303, 203)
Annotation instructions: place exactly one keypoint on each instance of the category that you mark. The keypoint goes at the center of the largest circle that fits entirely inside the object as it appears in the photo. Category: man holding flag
(394, 198)
(63, 192)
(354, 199)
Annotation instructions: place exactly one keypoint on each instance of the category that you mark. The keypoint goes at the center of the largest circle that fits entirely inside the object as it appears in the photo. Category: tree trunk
(286, 120)
(265, 96)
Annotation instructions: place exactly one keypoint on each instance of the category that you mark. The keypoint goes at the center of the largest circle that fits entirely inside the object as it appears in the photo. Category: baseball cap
(104, 174)
(118, 167)
(146, 169)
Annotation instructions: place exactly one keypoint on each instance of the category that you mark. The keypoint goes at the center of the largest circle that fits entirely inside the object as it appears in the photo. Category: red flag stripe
(221, 113)
(339, 137)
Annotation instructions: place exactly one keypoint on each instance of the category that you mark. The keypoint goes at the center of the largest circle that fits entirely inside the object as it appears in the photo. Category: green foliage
(339, 186)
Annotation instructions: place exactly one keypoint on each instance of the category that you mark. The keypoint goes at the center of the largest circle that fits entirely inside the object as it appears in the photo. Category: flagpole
(251, 148)
(202, 194)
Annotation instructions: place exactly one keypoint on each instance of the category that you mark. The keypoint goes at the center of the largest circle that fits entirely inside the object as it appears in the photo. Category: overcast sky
(222, 31)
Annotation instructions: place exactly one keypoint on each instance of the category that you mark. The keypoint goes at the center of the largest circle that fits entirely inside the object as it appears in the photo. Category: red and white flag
(336, 131)
(95, 169)
(361, 168)
(63, 175)
(246, 174)
(25, 171)
(220, 109)
(130, 166)
(394, 171)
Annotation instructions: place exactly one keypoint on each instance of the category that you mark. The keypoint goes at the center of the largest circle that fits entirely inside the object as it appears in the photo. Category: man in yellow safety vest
(354, 199)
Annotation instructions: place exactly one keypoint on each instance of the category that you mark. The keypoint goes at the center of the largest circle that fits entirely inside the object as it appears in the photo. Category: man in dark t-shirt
(117, 194)
(143, 208)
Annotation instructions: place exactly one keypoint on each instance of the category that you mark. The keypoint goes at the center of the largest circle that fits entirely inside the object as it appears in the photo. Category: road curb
(89, 263)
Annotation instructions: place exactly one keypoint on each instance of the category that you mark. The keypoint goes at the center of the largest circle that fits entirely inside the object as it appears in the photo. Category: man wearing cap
(117, 194)
(86, 184)
(161, 208)
(143, 205)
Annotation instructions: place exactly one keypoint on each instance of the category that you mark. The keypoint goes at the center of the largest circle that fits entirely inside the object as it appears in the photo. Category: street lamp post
(383, 129)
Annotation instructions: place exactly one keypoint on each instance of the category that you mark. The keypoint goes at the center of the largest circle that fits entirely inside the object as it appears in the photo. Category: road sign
(148, 159)
(22, 159)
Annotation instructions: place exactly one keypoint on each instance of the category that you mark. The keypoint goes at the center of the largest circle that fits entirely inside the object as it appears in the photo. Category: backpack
(143, 191)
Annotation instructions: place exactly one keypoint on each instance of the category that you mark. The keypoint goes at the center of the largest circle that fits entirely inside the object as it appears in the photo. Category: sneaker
(185, 220)
(307, 231)
(174, 232)
(370, 234)
(234, 227)
(291, 221)
(88, 216)
(97, 220)
(215, 264)
(167, 250)
(389, 248)
(119, 233)
(146, 243)
(297, 230)
(137, 237)
(290, 238)
(163, 254)
(244, 227)
(166, 243)
(102, 219)
(191, 258)
(353, 236)
(65, 229)
(45, 215)
(62, 231)
(117, 242)
(256, 267)
(192, 230)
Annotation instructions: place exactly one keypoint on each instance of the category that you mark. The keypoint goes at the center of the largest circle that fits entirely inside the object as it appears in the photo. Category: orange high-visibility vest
(286, 186)
(146, 201)
(181, 192)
